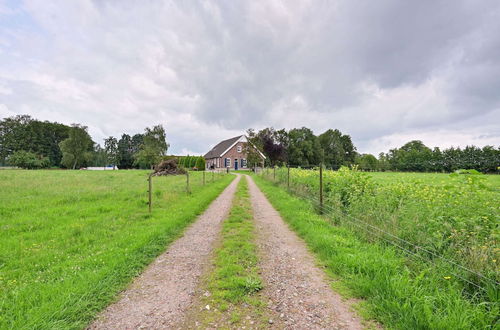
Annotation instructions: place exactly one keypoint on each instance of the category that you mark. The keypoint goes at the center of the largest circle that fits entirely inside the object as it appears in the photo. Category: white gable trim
(243, 138)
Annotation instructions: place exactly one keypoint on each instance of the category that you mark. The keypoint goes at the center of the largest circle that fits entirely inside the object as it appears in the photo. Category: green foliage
(70, 241)
(125, 152)
(454, 215)
(99, 157)
(367, 162)
(304, 147)
(111, 148)
(77, 148)
(192, 161)
(299, 146)
(28, 160)
(254, 159)
(399, 291)
(415, 156)
(200, 163)
(39, 137)
(338, 149)
(154, 146)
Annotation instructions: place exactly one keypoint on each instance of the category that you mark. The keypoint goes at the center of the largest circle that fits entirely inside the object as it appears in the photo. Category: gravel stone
(292, 281)
(161, 295)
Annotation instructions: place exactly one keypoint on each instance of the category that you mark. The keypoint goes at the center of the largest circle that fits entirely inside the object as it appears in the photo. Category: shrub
(200, 164)
(28, 160)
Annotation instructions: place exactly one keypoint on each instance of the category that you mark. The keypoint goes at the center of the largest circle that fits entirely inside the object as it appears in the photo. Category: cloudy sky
(384, 71)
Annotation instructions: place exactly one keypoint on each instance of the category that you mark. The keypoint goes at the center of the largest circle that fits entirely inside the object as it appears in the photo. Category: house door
(236, 164)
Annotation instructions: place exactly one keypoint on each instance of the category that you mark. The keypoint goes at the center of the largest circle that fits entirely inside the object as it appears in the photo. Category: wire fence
(315, 195)
(153, 186)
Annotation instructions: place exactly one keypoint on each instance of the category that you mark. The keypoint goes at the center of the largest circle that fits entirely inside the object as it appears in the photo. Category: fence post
(321, 188)
(203, 177)
(150, 188)
(274, 173)
(187, 182)
(288, 177)
(213, 175)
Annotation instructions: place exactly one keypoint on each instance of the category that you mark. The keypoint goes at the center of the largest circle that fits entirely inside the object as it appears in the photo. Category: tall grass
(70, 240)
(401, 291)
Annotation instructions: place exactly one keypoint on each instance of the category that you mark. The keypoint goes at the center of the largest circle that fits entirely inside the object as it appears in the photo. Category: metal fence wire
(411, 249)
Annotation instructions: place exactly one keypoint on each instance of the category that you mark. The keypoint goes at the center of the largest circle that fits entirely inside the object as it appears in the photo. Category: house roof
(222, 147)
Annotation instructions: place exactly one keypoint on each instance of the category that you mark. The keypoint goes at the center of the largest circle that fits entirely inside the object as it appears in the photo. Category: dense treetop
(31, 143)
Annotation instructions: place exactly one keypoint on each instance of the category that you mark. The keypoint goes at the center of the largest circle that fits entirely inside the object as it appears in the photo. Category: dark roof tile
(221, 147)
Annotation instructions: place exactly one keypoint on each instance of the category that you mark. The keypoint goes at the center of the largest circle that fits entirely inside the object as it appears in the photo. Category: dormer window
(239, 149)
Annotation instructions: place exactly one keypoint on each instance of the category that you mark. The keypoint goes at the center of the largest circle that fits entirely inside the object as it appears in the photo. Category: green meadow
(420, 249)
(71, 240)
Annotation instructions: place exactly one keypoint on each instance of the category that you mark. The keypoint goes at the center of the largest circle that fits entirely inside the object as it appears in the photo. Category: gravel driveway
(159, 297)
(298, 290)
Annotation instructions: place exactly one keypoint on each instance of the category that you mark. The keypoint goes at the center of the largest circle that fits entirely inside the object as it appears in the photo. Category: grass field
(453, 216)
(399, 291)
(70, 240)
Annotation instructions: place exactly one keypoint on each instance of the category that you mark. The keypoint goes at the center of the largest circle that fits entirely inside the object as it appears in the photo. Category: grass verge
(71, 240)
(231, 298)
(393, 294)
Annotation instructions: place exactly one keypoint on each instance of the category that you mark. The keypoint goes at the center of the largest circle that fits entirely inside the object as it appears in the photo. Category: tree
(27, 134)
(333, 149)
(99, 156)
(274, 145)
(338, 149)
(153, 147)
(200, 163)
(412, 156)
(125, 152)
(304, 148)
(77, 147)
(111, 147)
(367, 162)
(192, 161)
(28, 160)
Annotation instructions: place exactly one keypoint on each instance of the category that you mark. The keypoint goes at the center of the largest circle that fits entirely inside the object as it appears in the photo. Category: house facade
(230, 153)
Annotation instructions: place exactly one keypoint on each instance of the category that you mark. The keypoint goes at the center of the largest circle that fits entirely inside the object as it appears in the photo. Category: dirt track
(298, 291)
(159, 297)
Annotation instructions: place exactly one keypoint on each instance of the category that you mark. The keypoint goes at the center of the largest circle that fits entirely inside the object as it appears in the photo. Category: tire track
(161, 295)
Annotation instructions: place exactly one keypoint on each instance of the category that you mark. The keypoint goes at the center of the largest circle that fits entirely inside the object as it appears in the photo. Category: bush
(28, 160)
(200, 164)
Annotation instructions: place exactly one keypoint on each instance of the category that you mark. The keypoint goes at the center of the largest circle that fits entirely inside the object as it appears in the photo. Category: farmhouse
(230, 153)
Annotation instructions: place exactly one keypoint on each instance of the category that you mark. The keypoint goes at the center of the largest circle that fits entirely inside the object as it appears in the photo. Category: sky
(385, 72)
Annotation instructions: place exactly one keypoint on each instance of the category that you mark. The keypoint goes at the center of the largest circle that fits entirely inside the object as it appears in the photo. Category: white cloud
(381, 72)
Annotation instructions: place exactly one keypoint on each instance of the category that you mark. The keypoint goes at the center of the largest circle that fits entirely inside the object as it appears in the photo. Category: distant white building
(100, 168)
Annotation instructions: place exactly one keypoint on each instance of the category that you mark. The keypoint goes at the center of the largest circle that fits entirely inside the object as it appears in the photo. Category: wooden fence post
(274, 173)
(288, 177)
(321, 188)
(213, 175)
(187, 182)
(150, 188)
(203, 177)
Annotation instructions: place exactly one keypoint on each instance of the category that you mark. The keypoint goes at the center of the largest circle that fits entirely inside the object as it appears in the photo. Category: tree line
(415, 156)
(333, 149)
(29, 143)
(300, 147)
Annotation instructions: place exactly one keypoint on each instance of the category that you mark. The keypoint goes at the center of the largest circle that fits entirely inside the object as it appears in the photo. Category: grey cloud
(206, 70)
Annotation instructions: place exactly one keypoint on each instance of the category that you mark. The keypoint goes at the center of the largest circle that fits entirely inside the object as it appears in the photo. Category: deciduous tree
(77, 148)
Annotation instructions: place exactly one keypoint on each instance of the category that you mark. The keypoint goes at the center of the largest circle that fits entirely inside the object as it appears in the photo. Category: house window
(218, 162)
(243, 162)
(238, 148)
(227, 162)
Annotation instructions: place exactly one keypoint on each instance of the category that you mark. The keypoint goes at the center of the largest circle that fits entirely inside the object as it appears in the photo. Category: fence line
(358, 223)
